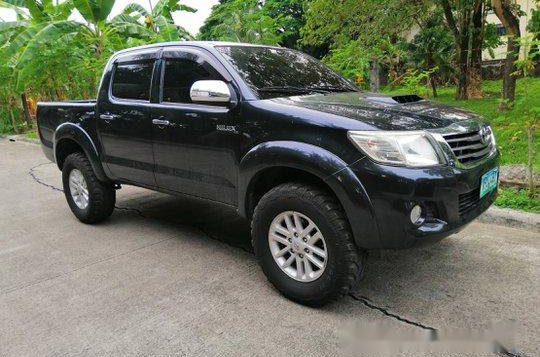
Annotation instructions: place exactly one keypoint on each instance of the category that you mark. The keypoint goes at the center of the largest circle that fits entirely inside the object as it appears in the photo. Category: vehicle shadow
(440, 286)
(386, 269)
(217, 221)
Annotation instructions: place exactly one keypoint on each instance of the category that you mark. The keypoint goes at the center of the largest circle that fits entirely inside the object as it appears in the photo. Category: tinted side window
(179, 76)
(133, 80)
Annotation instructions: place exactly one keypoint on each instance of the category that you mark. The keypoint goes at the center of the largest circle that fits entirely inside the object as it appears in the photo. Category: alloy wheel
(297, 246)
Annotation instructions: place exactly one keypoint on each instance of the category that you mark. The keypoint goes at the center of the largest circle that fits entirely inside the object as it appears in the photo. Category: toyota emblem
(485, 133)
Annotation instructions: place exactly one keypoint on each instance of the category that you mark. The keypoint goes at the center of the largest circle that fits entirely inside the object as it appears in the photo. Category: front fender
(326, 166)
(76, 133)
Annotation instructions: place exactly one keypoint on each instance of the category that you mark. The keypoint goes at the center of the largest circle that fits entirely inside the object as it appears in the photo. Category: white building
(527, 6)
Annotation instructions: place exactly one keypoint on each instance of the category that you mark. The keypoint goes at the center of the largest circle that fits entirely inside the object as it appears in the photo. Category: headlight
(404, 148)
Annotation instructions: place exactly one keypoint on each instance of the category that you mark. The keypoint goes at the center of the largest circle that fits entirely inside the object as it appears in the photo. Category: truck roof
(203, 44)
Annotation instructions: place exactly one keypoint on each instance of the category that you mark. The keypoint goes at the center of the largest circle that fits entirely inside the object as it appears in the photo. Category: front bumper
(449, 197)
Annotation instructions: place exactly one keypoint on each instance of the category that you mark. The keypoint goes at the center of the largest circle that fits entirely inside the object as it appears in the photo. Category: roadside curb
(511, 218)
(20, 138)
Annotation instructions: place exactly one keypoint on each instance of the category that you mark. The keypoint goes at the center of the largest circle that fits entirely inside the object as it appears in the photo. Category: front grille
(468, 202)
(469, 147)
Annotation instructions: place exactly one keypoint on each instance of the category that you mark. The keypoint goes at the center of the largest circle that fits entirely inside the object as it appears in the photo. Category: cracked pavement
(175, 276)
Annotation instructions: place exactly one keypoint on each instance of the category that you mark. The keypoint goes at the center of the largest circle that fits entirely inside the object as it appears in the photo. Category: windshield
(278, 72)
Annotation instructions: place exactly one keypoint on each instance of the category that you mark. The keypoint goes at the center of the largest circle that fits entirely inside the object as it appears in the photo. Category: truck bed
(50, 115)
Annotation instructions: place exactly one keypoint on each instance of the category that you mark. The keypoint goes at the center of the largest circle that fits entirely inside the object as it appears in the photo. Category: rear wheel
(90, 200)
(304, 244)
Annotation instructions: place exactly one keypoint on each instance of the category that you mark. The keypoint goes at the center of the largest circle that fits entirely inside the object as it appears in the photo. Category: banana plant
(156, 25)
(41, 24)
(30, 13)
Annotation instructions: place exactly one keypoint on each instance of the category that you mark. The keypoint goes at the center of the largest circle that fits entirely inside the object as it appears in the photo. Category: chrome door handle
(107, 116)
(160, 122)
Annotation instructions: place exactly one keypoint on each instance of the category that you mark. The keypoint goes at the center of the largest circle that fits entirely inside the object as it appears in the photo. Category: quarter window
(133, 80)
(179, 76)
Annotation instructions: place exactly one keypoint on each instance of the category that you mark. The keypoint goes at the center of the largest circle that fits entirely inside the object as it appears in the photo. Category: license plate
(489, 181)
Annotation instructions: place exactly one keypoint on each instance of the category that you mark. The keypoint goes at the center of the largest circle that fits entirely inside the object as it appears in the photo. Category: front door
(197, 149)
(125, 120)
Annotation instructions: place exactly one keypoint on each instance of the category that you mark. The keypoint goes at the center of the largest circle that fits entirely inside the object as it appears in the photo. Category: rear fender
(77, 134)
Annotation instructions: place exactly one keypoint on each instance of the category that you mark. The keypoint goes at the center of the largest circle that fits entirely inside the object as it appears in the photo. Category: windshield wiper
(315, 89)
(333, 89)
(292, 89)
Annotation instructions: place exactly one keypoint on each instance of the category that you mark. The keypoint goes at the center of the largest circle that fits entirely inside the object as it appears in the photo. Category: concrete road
(172, 276)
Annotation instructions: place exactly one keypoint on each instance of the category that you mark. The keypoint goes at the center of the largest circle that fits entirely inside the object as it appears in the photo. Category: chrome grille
(471, 146)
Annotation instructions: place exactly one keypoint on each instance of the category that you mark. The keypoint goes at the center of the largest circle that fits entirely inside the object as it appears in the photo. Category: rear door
(197, 153)
(125, 118)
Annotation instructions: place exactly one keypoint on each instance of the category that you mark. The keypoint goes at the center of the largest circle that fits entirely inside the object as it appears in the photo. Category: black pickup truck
(323, 171)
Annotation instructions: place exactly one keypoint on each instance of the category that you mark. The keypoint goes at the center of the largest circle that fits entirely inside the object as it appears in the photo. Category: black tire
(344, 267)
(101, 195)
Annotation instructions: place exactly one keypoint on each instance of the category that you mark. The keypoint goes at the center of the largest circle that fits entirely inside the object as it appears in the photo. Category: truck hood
(385, 112)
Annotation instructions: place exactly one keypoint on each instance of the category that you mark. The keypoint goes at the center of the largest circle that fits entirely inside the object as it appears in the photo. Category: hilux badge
(484, 135)
(229, 128)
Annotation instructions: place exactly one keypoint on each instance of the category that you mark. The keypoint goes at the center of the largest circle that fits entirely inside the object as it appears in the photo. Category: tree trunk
(463, 63)
(374, 81)
(433, 82)
(27, 116)
(465, 20)
(508, 93)
(13, 121)
(474, 85)
(530, 173)
(503, 10)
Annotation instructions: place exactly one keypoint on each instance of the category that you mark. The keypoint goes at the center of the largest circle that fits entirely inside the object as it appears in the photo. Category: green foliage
(431, 53)
(517, 199)
(31, 135)
(351, 61)
(94, 11)
(328, 21)
(534, 23)
(158, 26)
(376, 27)
(274, 22)
(414, 79)
(292, 19)
(49, 57)
(492, 39)
(432, 46)
(534, 27)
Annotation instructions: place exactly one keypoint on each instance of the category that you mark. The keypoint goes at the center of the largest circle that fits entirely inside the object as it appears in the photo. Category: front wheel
(304, 245)
(90, 200)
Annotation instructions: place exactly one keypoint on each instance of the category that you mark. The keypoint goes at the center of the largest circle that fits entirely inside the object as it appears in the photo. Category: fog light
(416, 215)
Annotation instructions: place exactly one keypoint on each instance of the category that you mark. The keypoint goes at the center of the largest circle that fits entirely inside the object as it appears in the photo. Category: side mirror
(210, 91)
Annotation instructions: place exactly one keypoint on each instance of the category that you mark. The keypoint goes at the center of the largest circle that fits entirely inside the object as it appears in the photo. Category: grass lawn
(517, 199)
(31, 134)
